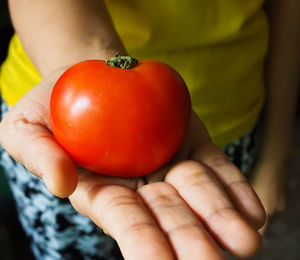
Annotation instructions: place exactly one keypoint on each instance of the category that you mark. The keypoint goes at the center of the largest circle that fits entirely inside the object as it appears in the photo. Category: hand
(204, 203)
(270, 185)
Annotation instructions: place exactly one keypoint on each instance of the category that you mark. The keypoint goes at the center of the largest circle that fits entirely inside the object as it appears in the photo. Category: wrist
(54, 38)
(78, 53)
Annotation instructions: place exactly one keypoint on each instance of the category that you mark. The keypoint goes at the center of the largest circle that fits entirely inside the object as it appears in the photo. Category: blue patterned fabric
(243, 151)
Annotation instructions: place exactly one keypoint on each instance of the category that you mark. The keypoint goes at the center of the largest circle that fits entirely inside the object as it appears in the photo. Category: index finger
(25, 135)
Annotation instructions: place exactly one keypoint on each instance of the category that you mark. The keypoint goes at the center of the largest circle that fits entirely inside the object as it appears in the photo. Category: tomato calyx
(122, 62)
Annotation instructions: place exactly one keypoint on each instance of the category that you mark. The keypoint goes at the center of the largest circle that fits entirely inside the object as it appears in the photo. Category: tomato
(116, 121)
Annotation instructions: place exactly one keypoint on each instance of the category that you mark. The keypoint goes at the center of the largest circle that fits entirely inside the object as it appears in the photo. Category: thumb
(25, 135)
(34, 147)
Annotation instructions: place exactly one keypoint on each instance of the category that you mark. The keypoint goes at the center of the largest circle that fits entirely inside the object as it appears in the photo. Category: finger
(263, 229)
(202, 192)
(272, 210)
(241, 193)
(24, 134)
(187, 236)
(35, 148)
(121, 213)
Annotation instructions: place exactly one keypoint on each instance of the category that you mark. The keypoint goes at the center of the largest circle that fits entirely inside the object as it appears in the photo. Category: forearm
(282, 79)
(57, 33)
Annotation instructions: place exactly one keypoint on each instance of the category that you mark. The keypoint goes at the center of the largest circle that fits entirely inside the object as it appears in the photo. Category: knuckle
(219, 161)
(225, 214)
(165, 203)
(160, 196)
(189, 227)
(122, 201)
(137, 227)
(196, 180)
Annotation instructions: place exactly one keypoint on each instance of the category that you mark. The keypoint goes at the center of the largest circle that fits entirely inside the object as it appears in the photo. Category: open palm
(192, 208)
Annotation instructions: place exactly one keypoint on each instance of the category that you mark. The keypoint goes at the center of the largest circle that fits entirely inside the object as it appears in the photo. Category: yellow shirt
(218, 46)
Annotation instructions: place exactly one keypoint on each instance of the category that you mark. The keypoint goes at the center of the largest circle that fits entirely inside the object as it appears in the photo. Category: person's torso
(218, 46)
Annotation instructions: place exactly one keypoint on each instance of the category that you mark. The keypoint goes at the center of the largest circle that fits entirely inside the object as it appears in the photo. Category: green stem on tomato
(122, 62)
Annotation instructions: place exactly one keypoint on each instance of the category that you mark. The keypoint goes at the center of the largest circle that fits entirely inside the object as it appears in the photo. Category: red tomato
(120, 122)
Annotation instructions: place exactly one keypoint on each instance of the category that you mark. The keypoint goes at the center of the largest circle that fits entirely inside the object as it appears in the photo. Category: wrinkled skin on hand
(192, 208)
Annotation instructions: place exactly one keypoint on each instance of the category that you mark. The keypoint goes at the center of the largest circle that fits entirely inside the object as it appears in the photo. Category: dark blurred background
(281, 241)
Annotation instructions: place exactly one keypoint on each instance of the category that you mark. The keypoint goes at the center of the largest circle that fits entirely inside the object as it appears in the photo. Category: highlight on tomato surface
(120, 117)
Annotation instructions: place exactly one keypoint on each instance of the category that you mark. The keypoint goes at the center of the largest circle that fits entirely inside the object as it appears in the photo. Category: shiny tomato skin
(120, 122)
